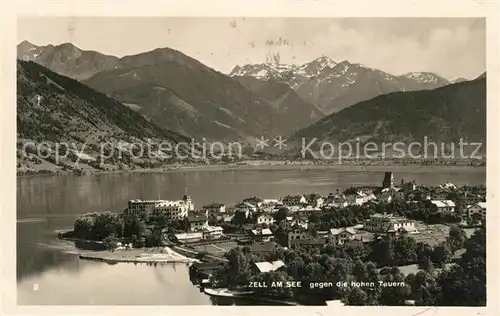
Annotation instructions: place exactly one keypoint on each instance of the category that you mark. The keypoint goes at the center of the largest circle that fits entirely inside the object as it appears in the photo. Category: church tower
(388, 180)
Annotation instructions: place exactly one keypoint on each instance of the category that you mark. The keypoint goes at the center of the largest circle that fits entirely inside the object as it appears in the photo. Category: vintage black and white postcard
(298, 157)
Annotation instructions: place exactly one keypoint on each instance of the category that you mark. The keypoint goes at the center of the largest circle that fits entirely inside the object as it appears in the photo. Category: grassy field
(216, 249)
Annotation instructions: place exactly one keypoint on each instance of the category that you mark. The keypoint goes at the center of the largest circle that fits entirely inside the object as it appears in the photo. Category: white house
(263, 267)
(320, 202)
(212, 232)
(172, 209)
(265, 218)
(359, 198)
(443, 205)
(478, 208)
(382, 223)
(299, 221)
(197, 222)
(339, 236)
(262, 234)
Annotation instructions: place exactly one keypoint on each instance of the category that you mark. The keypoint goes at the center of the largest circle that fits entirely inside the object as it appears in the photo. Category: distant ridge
(447, 114)
(332, 86)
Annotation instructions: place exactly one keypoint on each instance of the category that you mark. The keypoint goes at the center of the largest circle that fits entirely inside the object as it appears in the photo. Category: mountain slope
(333, 86)
(282, 97)
(446, 114)
(178, 91)
(55, 109)
(67, 59)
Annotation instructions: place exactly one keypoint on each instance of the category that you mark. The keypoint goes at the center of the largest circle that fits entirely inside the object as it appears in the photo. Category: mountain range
(332, 86)
(171, 94)
(178, 92)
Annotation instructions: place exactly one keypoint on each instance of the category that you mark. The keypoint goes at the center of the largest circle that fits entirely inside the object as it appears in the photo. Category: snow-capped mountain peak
(425, 77)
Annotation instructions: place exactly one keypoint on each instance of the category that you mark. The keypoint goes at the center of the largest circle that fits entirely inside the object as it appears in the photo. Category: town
(391, 233)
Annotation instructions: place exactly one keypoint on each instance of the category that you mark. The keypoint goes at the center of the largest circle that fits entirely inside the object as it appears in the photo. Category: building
(339, 236)
(189, 237)
(385, 196)
(336, 201)
(479, 209)
(389, 194)
(297, 232)
(388, 180)
(308, 210)
(448, 186)
(261, 235)
(212, 232)
(298, 220)
(172, 209)
(215, 208)
(270, 202)
(382, 223)
(264, 219)
(471, 198)
(292, 200)
(417, 195)
(142, 207)
(203, 270)
(263, 267)
(359, 198)
(246, 207)
(442, 206)
(197, 222)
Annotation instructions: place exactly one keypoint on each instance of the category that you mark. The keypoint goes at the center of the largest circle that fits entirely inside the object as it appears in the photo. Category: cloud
(451, 47)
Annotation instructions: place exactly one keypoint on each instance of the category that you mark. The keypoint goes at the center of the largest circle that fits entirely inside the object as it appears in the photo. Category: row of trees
(141, 231)
(462, 284)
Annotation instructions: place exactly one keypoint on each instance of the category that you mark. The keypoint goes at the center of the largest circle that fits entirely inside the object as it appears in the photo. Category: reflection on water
(48, 204)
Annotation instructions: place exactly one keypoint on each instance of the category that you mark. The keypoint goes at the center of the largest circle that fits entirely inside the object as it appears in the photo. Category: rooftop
(443, 203)
(197, 218)
(212, 228)
(336, 231)
(263, 232)
(269, 266)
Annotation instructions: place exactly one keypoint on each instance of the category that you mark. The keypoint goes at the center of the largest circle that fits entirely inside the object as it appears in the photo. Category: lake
(49, 273)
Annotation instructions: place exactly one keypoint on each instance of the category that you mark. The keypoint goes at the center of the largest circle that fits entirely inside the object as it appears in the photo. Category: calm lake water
(49, 273)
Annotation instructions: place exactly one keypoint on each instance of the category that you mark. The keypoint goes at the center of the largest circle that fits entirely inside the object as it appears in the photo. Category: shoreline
(244, 295)
(161, 255)
(266, 166)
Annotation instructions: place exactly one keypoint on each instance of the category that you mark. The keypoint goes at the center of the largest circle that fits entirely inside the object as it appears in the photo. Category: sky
(450, 47)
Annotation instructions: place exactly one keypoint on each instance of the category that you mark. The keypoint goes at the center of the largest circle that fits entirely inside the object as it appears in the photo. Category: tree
(239, 218)
(394, 295)
(281, 214)
(442, 254)
(456, 238)
(355, 296)
(405, 250)
(212, 220)
(428, 266)
(238, 268)
(111, 242)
